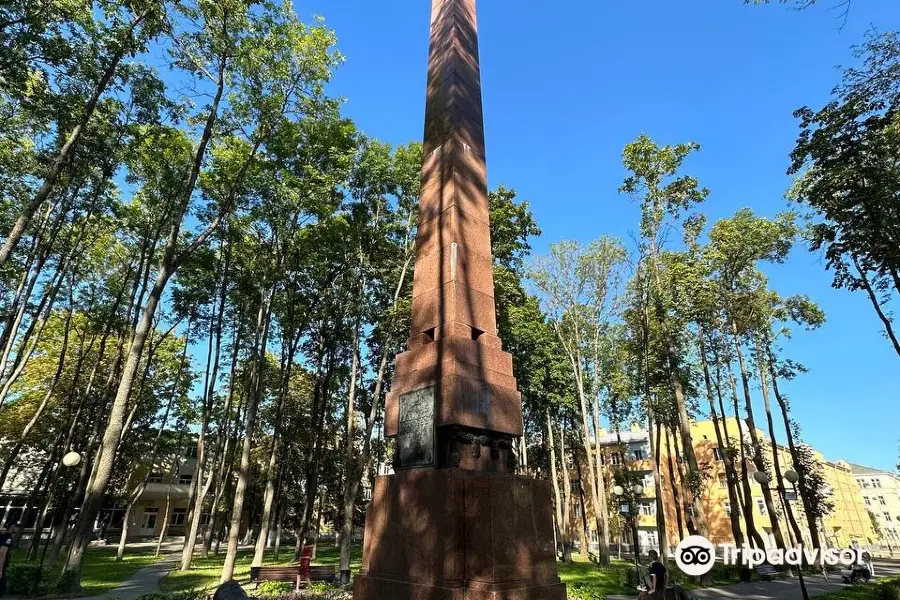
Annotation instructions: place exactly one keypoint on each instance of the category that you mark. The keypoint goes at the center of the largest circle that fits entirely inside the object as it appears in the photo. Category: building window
(761, 505)
(876, 483)
(148, 521)
(727, 508)
(178, 516)
(868, 501)
(723, 482)
(638, 454)
(615, 459)
(717, 453)
(689, 509)
(881, 501)
(575, 485)
(647, 508)
(191, 451)
(154, 477)
(887, 516)
(185, 478)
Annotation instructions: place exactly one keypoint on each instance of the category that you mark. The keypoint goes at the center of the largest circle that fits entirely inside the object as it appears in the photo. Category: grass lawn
(205, 572)
(584, 579)
(100, 572)
(871, 591)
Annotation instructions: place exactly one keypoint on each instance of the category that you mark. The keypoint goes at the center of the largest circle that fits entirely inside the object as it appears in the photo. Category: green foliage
(273, 588)
(812, 483)
(20, 579)
(315, 592)
(846, 159)
(889, 590)
(184, 595)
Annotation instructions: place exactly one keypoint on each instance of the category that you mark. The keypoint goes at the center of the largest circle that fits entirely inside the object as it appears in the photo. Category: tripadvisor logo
(696, 556)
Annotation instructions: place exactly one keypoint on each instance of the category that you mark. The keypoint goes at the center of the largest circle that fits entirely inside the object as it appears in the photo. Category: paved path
(145, 581)
(780, 589)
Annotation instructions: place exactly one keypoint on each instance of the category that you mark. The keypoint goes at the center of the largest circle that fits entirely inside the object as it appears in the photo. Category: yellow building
(881, 494)
(849, 521)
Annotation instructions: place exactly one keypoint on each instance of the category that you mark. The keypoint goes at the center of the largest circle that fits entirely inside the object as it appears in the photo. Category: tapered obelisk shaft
(453, 348)
(453, 522)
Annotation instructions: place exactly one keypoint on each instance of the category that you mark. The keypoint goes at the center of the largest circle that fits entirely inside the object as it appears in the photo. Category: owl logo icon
(695, 555)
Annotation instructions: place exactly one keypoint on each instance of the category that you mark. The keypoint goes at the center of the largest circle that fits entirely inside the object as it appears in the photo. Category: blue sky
(567, 85)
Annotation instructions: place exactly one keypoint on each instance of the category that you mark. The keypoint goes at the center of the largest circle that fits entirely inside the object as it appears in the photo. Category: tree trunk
(196, 514)
(672, 483)
(758, 459)
(749, 520)
(653, 439)
(272, 467)
(583, 535)
(770, 422)
(736, 532)
(885, 319)
(103, 467)
(782, 403)
(257, 390)
(320, 400)
(561, 524)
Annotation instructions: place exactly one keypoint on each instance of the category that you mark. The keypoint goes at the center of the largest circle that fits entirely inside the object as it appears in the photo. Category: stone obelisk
(455, 522)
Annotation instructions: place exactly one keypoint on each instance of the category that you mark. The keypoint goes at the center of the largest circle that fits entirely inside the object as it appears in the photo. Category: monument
(454, 522)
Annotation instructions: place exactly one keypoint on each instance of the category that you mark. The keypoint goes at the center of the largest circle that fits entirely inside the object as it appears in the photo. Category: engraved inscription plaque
(415, 435)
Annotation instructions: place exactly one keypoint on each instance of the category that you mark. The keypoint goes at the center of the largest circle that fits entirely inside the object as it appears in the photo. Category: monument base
(452, 534)
(367, 586)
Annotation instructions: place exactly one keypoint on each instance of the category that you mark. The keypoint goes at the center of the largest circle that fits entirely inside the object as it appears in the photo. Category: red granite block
(455, 348)
(441, 170)
(452, 225)
(471, 403)
(454, 263)
(501, 547)
(450, 367)
(453, 123)
(454, 302)
(463, 401)
(405, 537)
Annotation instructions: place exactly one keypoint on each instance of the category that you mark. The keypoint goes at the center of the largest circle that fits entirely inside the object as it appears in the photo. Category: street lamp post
(792, 477)
(71, 459)
(625, 509)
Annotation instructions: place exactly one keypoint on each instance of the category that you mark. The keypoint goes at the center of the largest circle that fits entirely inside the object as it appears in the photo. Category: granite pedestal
(454, 534)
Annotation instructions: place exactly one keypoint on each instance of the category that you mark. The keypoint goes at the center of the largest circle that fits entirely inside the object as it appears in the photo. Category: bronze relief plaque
(415, 435)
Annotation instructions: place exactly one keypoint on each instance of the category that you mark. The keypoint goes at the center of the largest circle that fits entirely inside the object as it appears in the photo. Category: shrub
(273, 588)
(889, 590)
(185, 595)
(315, 594)
(20, 579)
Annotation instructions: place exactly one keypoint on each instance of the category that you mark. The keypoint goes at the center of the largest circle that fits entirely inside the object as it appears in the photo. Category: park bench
(768, 572)
(289, 574)
(295, 574)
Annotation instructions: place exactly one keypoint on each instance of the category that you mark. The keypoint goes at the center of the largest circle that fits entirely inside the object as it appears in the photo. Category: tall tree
(847, 158)
(578, 285)
(655, 183)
